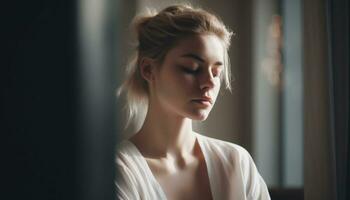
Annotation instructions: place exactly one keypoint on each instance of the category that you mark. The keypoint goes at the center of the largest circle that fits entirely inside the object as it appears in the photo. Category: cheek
(174, 85)
(188, 84)
(216, 88)
(181, 81)
(188, 80)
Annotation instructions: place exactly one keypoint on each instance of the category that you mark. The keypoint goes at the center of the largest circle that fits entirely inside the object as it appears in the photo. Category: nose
(207, 81)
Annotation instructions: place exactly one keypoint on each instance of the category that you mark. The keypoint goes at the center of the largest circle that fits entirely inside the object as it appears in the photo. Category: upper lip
(205, 98)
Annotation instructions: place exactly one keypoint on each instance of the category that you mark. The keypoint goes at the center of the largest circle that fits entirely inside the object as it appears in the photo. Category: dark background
(53, 145)
(39, 100)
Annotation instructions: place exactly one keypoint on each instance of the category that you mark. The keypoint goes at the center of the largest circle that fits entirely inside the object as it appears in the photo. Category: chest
(191, 182)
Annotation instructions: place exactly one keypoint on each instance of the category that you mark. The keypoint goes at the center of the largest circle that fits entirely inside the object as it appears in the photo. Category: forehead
(209, 47)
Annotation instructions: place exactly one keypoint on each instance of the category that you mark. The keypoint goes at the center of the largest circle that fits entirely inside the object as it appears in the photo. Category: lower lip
(205, 103)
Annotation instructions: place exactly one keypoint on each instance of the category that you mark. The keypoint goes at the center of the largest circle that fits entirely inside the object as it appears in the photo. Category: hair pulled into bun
(155, 34)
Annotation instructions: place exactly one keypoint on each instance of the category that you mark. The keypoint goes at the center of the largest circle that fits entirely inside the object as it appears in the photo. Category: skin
(190, 71)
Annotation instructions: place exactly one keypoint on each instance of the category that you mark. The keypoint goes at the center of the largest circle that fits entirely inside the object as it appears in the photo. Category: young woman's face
(188, 81)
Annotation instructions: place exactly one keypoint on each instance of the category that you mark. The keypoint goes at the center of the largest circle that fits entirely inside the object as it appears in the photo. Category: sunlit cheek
(216, 88)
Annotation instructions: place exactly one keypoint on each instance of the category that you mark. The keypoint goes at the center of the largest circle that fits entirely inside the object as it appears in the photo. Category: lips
(204, 100)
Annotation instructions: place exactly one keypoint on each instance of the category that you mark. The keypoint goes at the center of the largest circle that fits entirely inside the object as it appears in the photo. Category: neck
(165, 134)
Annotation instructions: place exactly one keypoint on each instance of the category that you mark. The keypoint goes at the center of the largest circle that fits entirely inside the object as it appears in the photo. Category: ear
(147, 68)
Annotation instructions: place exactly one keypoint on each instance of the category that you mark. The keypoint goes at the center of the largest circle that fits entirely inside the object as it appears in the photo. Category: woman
(181, 61)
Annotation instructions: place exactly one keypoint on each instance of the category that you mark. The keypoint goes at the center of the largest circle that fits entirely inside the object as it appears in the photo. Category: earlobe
(146, 69)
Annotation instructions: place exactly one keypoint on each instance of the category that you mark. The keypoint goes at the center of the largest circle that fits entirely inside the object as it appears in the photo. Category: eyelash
(190, 71)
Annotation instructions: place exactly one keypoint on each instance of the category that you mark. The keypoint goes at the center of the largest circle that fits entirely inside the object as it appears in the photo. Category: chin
(199, 116)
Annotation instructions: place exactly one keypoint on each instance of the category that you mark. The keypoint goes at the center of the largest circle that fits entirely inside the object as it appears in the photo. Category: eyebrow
(198, 58)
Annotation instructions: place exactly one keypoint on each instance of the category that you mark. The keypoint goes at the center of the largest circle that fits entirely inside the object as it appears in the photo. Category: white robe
(231, 170)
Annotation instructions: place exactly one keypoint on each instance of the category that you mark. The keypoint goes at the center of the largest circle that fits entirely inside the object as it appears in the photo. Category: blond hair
(156, 34)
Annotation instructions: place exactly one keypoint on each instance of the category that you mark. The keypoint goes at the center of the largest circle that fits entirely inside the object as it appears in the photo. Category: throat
(165, 147)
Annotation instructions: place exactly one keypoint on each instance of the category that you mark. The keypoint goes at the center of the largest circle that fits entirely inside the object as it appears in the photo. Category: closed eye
(190, 71)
